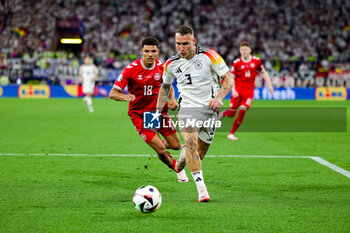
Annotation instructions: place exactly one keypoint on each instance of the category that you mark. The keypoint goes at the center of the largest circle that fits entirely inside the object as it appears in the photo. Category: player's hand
(172, 104)
(234, 93)
(215, 104)
(271, 89)
(129, 97)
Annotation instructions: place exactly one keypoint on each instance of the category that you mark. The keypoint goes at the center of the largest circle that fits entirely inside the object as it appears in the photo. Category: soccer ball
(147, 199)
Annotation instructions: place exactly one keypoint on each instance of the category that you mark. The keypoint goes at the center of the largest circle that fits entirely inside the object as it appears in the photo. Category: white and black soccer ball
(147, 199)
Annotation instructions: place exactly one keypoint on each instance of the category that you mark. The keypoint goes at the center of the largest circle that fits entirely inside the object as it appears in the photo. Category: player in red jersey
(143, 78)
(245, 69)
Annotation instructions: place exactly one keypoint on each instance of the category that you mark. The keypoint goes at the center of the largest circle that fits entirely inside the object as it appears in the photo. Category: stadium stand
(291, 36)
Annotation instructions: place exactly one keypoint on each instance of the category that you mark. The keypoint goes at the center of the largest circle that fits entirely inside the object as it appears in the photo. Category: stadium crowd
(285, 34)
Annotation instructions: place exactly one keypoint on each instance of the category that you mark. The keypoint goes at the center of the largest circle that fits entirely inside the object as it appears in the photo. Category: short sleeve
(121, 81)
(233, 69)
(217, 63)
(260, 66)
(168, 77)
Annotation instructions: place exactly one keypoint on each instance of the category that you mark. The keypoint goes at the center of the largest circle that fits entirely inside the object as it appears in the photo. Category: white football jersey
(197, 78)
(88, 72)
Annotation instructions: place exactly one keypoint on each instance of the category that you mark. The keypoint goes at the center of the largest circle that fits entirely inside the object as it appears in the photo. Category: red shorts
(243, 99)
(147, 134)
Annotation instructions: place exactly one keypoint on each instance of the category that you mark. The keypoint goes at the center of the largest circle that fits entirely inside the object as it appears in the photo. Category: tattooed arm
(163, 96)
(227, 86)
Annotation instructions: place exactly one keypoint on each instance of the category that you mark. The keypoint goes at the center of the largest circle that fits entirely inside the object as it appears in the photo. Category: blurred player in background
(143, 78)
(245, 69)
(197, 71)
(87, 76)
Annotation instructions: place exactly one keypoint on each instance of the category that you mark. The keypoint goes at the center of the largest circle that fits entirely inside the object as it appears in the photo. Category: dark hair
(244, 43)
(184, 30)
(150, 41)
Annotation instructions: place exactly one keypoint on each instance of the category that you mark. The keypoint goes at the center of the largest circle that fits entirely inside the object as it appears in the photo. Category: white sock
(89, 101)
(198, 180)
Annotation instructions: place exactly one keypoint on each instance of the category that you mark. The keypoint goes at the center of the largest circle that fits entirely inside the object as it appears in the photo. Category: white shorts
(203, 119)
(88, 87)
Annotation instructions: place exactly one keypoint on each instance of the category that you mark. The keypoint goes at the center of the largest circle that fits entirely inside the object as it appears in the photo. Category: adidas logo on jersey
(178, 71)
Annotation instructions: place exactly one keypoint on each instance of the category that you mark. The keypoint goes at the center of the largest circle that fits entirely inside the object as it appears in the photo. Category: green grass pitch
(94, 193)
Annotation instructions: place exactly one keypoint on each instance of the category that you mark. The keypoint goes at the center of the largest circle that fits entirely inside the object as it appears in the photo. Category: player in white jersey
(87, 76)
(198, 71)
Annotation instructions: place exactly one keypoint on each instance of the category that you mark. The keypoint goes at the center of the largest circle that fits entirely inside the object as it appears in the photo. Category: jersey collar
(148, 68)
(249, 59)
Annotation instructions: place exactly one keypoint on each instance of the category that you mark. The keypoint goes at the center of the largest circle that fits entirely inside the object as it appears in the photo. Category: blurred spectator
(285, 34)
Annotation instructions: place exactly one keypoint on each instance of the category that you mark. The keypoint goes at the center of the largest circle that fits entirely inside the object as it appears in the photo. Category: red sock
(174, 165)
(230, 113)
(238, 121)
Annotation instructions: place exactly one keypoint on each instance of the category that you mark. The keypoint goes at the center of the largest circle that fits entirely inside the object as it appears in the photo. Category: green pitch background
(94, 193)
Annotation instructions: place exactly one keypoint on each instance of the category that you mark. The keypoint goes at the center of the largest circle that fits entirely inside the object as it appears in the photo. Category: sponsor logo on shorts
(144, 137)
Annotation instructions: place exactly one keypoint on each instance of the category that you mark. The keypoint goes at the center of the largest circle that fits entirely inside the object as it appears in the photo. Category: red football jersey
(245, 73)
(144, 83)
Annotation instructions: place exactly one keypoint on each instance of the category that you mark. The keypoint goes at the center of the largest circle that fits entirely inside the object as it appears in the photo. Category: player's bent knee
(242, 107)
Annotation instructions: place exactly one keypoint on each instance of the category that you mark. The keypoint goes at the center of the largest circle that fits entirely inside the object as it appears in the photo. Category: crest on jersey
(252, 65)
(198, 65)
(157, 76)
(120, 78)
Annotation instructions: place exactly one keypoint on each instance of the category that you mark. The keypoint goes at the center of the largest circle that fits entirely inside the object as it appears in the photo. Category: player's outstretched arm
(163, 96)
(115, 94)
(268, 81)
(227, 85)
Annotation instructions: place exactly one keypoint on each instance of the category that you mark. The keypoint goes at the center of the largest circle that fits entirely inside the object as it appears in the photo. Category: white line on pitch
(147, 155)
(257, 156)
(74, 155)
(316, 159)
(331, 166)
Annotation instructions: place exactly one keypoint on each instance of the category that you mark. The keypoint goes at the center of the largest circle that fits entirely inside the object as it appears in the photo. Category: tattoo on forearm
(163, 95)
(226, 86)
